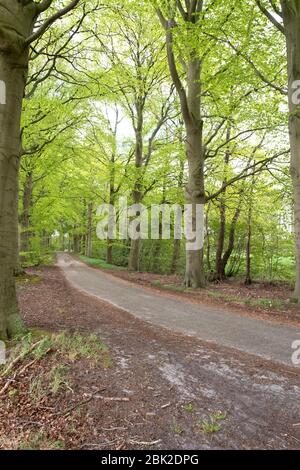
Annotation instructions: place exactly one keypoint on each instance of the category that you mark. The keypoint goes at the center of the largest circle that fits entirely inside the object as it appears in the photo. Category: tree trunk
(208, 247)
(25, 217)
(221, 241)
(134, 255)
(109, 252)
(176, 256)
(191, 107)
(291, 17)
(248, 278)
(220, 268)
(231, 241)
(137, 194)
(195, 193)
(13, 72)
(76, 241)
(89, 233)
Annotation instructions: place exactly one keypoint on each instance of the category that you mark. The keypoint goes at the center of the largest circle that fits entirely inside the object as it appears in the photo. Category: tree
(190, 100)
(138, 75)
(17, 32)
(289, 13)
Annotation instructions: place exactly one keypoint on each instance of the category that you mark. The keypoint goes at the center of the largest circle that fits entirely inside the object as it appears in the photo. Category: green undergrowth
(37, 344)
(100, 263)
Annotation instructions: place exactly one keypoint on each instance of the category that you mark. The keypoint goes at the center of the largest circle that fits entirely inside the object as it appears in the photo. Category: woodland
(164, 102)
(169, 103)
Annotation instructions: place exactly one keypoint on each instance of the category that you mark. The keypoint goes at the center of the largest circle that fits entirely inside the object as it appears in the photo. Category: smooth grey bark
(190, 101)
(16, 24)
(25, 216)
(17, 20)
(89, 231)
(137, 193)
(248, 277)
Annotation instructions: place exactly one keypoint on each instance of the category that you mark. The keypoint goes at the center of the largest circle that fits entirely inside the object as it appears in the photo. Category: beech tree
(285, 16)
(190, 101)
(18, 30)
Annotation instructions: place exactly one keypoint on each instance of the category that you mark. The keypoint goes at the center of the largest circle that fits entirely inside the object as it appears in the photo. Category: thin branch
(255, 167)
(270, 16)
(48, 22)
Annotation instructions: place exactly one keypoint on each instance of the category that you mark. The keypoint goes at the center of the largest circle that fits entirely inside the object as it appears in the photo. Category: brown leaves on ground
(103, 379)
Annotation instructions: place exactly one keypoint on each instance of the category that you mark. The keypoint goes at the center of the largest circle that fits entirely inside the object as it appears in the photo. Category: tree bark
(89, 232)
(25, 216)
(195, 192)
(248, 278)
(176, 255)
(13, 73)
(231, 241)
(221, 241)
(137, 194)
(194, 275)
(191, 108)
(76, 240)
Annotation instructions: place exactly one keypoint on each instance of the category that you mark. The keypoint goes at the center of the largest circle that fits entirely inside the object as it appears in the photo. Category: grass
(189, 407)
(212, 425)
(269, 303)
(28, 279)
(173, 287)
(59, 378)
(77, 346)
(99, 263)
(74, 346)
(61, 350)
(39, 440)
(177, 429)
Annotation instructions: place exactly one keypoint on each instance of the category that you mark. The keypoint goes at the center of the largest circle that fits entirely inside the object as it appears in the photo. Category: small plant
(213, 424)
(13, 394)
(156, 282)
(189, 407)
(219, 416)
(177, 429)
(58, 377)
(37, 390)
(271, 303)
(210, 427)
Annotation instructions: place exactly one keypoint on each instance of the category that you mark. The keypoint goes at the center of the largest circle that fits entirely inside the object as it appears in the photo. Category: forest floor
(262, 299)
(132, 384)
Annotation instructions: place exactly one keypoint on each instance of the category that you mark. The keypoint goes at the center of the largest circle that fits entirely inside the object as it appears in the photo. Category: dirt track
(174, 382)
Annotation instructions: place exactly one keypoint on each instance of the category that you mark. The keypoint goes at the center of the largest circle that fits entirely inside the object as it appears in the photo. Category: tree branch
(255, 167)
(168, 26)
(270, 16)
(59, 14)
(44, 5)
